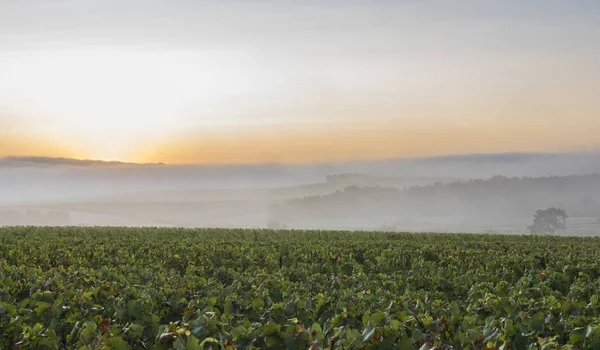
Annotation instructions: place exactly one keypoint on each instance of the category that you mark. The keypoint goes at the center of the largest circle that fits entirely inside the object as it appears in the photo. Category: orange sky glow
(235, 82)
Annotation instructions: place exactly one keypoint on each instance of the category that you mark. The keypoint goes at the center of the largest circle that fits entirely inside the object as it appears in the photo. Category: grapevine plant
(159, 288)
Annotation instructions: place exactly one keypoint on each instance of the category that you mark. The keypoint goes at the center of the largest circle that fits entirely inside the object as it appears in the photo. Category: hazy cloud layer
(274, 81)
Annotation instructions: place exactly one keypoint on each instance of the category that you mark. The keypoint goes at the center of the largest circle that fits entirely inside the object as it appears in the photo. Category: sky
(297, 81)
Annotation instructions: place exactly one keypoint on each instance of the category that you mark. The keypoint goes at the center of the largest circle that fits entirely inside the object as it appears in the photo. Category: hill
(498, 199)
(33, 161)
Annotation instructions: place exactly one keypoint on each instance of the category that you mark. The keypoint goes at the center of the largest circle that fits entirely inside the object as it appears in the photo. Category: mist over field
(496, 193)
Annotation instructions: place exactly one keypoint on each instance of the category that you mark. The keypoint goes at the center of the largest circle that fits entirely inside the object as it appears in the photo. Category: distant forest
(494, 198)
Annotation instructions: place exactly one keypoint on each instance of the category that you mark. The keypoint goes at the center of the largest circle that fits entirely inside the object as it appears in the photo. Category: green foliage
(548, 221)
(149, 288)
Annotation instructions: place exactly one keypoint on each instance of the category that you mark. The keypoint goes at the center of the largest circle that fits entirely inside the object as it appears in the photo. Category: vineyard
(150, 288)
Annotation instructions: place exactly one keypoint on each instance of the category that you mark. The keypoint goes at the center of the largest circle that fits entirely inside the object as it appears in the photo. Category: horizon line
(441, 157)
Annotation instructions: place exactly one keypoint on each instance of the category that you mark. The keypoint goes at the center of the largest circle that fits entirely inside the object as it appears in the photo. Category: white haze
(388, 195)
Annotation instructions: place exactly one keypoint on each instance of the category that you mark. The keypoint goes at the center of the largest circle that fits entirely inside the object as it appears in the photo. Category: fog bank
(467, 193)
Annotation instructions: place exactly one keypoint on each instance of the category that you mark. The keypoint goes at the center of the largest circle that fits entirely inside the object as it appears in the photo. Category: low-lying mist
(468, 193)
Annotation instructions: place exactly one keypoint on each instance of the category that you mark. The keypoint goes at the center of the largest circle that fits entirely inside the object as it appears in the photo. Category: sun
(115, 152)
(105, 102)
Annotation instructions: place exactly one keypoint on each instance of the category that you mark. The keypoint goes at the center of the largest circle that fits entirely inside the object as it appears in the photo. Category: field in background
(217, 207)
(136, 288)
(496, 193)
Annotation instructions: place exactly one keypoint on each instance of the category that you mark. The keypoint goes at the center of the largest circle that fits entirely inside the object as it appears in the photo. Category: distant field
(127, 288)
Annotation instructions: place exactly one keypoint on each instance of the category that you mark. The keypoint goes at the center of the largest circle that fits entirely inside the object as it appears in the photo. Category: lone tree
(548, 221)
